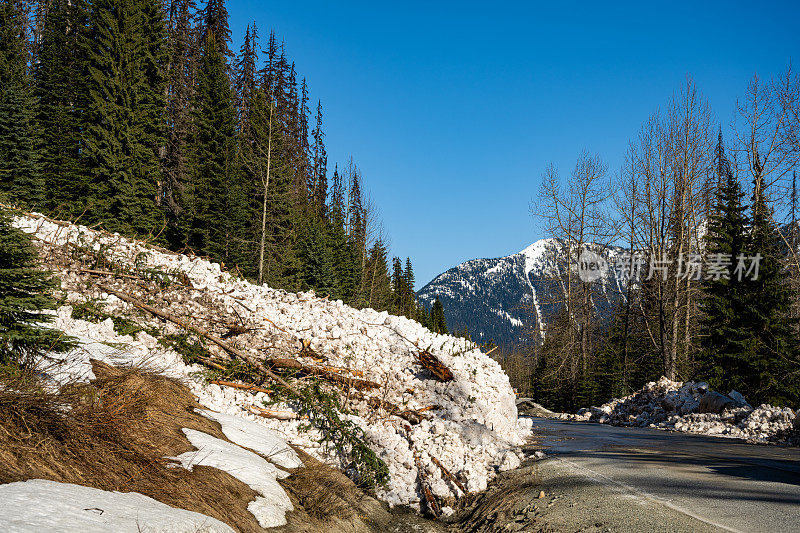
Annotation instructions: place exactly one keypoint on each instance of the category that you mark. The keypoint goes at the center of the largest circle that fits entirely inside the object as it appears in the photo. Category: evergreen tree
(24, 293)
(410, 302)
(181, 71)
(212, 180)
(123, 126)
(377, 291)
(20, 171)
(398, 286)
(61, 94)
(317, 259)
(214, 21)
(245, 82)
(319, 179)
(724, 360)
(770, 375)
(438, 319)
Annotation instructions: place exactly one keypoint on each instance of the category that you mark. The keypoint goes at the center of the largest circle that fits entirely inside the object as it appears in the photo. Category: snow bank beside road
(692, 408)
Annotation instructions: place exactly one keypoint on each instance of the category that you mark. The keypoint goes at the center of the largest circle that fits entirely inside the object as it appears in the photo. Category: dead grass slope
(116, 432)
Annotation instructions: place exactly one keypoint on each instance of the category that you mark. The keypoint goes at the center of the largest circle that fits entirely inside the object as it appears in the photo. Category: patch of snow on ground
(39, 505)
(258, 438)
(249, 468)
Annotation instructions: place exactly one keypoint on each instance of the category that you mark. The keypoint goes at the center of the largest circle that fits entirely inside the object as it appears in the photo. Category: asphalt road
(698, 483)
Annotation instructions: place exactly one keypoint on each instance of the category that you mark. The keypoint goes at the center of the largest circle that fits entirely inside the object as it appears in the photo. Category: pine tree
(410, 298)
(212, 181)
(398, 286)
(772, 349)
(24, 293)
(214, 21)
(181, 71)
(60, 89)
(245, 81)
(438, 319)
(20, 171)
(724, 336)
(377, 291)
(319, 178)
(124, 123)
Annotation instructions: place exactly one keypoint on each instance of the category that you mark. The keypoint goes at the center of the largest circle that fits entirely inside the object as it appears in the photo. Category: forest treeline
(137, 116)
(694, 209)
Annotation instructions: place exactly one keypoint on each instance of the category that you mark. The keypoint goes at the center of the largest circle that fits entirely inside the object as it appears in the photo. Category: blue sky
(453, 109)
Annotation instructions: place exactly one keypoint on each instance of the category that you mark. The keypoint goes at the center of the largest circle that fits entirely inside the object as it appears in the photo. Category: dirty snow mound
(692, 408)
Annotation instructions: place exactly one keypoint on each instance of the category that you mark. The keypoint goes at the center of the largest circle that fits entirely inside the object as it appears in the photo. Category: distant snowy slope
(497, 298)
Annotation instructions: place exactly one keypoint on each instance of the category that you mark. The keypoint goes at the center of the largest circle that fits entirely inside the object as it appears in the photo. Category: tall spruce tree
(771, 371)
(20, 171)
(319, 179)
(377, 292)
(214, 20)
(60, 88)
(245, 81)
(724, 359)
(438, 320)
(212, 180)
(24, 292)
(124, 128)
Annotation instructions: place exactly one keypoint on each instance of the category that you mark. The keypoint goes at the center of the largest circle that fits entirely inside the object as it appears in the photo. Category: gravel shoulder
(553, 496)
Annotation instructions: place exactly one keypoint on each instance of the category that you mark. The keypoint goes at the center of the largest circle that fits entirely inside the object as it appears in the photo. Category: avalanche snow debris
(473, 434)
(39, 505)
(673, 405)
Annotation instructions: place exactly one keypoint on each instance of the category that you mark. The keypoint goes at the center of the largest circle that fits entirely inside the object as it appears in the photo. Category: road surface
(696, 482)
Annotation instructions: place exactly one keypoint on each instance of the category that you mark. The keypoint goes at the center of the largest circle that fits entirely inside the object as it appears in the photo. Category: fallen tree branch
(432, 363)
(95, 272)
(413, 416)
(448, 475)
(430, 501)
(244, 356)
(293, 364)
(271, 413)
(242, 386)
(288, 364)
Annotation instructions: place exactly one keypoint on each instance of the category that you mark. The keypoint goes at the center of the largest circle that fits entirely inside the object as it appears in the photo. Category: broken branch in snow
(242, 386)
(213, 338)
(448, 475)
(432, 363)
(95, 272)
(274, 414)
(413, 416)
(307, 351)
(430, 501)
(328, 374)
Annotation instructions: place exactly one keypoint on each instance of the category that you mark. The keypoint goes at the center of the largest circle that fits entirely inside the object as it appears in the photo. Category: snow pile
(471, 424)
(678, 406)
(40, 505)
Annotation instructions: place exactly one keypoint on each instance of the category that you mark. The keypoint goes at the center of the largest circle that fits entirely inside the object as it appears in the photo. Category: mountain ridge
(499, 298)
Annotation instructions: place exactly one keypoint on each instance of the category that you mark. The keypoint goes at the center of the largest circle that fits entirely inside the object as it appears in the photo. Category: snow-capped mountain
(498, 298)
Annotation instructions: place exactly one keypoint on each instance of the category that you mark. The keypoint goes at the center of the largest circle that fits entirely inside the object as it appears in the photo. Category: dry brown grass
(114, 434)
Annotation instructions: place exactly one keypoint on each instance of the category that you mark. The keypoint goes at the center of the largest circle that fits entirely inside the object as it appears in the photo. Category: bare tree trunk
(265, 183)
